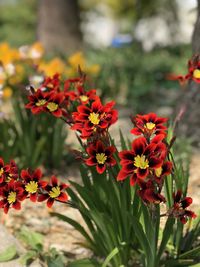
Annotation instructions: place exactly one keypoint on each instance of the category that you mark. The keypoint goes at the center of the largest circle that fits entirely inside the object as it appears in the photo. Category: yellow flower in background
(56, 65)
(78, 59)
(8, 54)
(7, 92)
(94, 69)
(18, 76)
(34, 51)
(1, 83)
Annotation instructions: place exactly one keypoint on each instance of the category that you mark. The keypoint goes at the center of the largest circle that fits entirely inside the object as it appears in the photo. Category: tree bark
(59, 25)
(196, 32)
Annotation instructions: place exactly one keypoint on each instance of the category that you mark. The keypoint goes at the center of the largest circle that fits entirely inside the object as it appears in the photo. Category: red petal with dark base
(91, 161)
(33, 197)
(100, 168)
(122, 175)
(54, 181)
(43, 197)
(138, 145)
(63, 197)
(16, 205)
(50, 202)
(136, 131)
(142, 173)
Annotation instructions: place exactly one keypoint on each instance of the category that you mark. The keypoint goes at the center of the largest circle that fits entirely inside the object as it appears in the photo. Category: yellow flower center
(158, 171)
(11, 197)
(83, 98)
(41, 102)
(52, 106)
(32, 187)
(9, 178)
(55, 192)
(94, 118)
(101, 158)
(141, 162)
(196, 74)
(150, 125)
(1, 171)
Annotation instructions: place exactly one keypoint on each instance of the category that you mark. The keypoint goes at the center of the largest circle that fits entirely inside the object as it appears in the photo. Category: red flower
(100, 156)
(148, 192)
(95, 119)
(193, 71)
(163, 171)
(2, 173)
(149, 125)
(52, 83)
(179, 209)
(8, 172)
(38, 102)
(76, 82)
(141, 160)
(32, 182)
(54, 104)
(12, 193)
(81, 94)
(54, 192)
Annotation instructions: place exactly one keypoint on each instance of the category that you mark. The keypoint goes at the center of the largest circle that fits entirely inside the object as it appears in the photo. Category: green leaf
(191, 235)
(110, 256)
(179, 237)
(122, 141)
(28, 257)
(58, 262)
(32, 239)
(8, 254)
(168, 186)
(166, 236)
(75, 224)
(142, 239)
(178, 263)
(191, 253)
(84, 263)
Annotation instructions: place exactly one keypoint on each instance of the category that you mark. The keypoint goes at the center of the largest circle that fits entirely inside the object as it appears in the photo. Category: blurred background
(136, 43)
(128, 48)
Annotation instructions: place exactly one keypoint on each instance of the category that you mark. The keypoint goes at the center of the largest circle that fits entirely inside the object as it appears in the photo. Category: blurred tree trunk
(190, 100)
(59, 25)
(196, 32)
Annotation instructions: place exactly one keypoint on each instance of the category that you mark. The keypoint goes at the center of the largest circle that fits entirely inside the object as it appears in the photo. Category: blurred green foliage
(135, 9)
(129, 12)
(138, 75)
(18, 20)
(32, 140)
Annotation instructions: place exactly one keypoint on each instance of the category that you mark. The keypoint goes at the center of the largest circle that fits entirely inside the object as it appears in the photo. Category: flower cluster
(146, 161)
(47, 98)
(146, 164)
(179, 209)
(16, 187)
(83, 111)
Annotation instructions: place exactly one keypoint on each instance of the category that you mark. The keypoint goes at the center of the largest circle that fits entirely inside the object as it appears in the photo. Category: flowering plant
(19, 67)
(15, 187)
(123, 195)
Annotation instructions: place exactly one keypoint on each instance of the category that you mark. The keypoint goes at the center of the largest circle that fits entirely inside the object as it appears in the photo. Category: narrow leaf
(8, 254)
